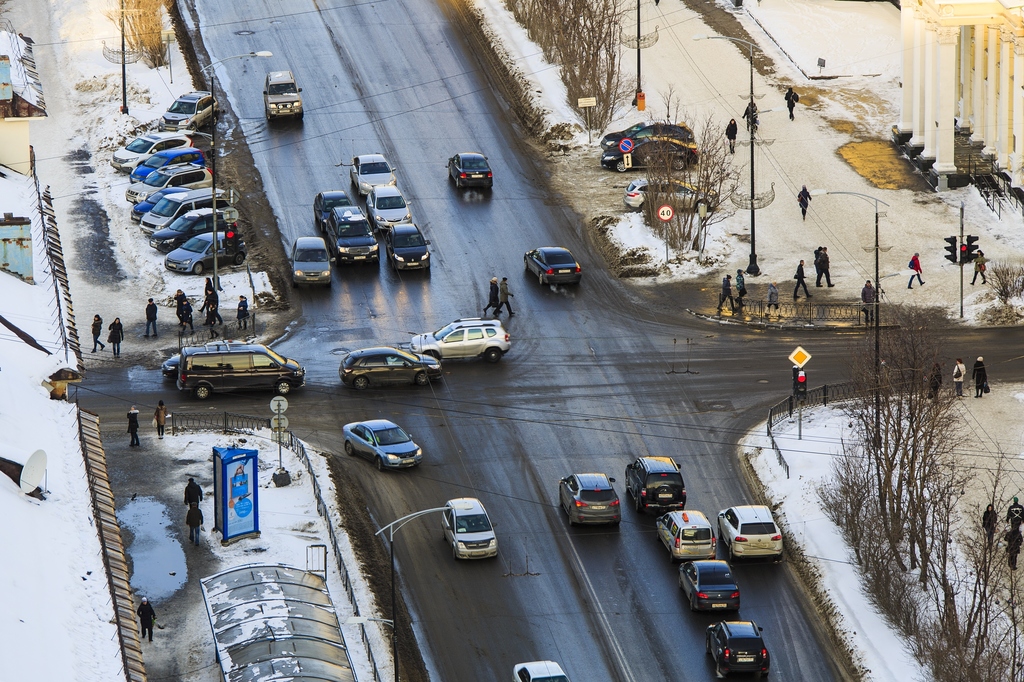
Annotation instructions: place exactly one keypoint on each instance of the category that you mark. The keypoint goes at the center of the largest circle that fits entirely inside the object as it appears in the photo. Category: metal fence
(229, 422)
(759, 311)
(822, 395)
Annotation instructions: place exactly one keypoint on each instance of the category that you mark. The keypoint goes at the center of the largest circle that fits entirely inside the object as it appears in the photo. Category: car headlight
(273, 106)
(298, 273)
(186, 121)
(393, 457)
(426, 255)
(374, 247)
(399, 258)
(379, 219)
(461, 545)
(342, 249)
(326, 273)
(492, 542)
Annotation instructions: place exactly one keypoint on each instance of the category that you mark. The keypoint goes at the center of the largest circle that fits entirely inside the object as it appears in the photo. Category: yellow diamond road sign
(799, 357)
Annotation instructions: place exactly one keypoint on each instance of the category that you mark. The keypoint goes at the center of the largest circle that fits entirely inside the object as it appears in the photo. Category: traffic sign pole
(278, 425)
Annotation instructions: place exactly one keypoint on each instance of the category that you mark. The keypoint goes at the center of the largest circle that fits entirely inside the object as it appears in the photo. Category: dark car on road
(183, 228)
(406, 248)
(382, 366)
(470, 169)
(589, 498)
(737, 646)
(642, 131)
(709, 586)
(656, 484)
(553, 265)
(324, 202)
(350, 238)
(226, 366)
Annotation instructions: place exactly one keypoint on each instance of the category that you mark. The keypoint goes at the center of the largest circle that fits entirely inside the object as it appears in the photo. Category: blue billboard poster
(236, 487)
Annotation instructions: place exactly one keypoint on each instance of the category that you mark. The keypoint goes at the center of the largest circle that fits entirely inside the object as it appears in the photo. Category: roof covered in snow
(24, 79)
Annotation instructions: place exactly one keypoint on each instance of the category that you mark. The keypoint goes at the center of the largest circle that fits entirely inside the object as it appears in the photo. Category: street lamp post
(391, 529)
(875, 310)
(213, 147)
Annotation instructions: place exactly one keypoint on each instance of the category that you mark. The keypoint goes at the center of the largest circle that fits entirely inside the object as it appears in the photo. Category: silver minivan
(311, 264)
(174, 205)
(468, 529)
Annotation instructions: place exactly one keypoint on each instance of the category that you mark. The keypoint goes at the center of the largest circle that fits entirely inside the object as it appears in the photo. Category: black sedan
(381, 366)
(680, 154)
(470, 169)
(170, 368)
(406, 248)
(324, 202)
(644, 130)
(553, 265)
(709, 586)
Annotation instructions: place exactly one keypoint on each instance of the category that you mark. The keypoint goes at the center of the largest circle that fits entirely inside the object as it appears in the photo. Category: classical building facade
(963, 71)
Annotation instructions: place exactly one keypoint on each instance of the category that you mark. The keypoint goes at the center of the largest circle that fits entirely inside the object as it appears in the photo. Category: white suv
(750, 530)
(687, 535)
(470, 337)
(468, 529)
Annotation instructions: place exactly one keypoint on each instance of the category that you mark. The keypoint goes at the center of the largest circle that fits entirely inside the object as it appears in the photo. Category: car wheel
(637, 504)
(330, 282)
(360, 383)
(434, 354)
(693, 603)
(301, 114)
(540, 278)
(568, 515)
(718, 669)
(421, 379)
(349, 450)
(621, 166)
(283, 387)
(295, 285)
(492, 355)
(202, 392)
(679, 163)
(380, 464)
(455, 552)
(239, 258)
(707, 645)
(732, 555)
(198, 268)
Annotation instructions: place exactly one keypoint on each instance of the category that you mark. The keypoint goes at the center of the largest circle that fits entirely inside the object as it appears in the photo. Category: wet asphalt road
(593, 380)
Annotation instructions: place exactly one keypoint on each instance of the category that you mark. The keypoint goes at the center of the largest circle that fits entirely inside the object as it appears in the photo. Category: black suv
(183, 228)
(236, 366)
(736, 646)
(656, 484)
(349, 237)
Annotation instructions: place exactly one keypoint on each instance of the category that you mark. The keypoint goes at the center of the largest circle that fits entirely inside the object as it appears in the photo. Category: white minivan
(468, 529)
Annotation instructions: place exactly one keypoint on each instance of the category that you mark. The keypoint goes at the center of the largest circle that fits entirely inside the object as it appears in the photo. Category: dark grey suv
(656, 484)
(589, 498)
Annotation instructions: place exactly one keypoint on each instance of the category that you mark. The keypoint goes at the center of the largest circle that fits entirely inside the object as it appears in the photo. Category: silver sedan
(370, 170)
(386, 206)
(383, 442)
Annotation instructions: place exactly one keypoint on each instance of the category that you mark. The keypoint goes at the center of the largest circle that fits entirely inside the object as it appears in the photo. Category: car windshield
(277, 358)
(196, 245)
(376, 168)
(140, 145)
(714, 578)
(758, 529)
(390, 202)
(745, 643)
(166, 207)
(356, 229)
(443, 331)
(393, 436)
(597, 495)
(311, 256)
(559, 258)
(474, 163)
(342, 200)
(157, 179)
(282, 89)
(182, 223)
(472, 523)
(155, 161)
(183, 107)
(409, 240)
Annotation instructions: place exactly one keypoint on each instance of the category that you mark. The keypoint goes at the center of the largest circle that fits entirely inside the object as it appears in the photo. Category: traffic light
(230, 240)
(969, 249)
(951, 254)
(799, 383)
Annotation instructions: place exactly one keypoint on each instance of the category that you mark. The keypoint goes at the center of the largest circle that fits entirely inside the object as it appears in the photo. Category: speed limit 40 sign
(665, 213)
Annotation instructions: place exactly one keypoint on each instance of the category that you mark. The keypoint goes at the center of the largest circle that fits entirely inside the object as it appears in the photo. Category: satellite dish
(33, 471)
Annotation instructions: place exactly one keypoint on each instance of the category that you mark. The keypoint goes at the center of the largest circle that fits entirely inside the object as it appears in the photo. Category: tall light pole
(391, 529)
(752, 267)
(878, 322)
(642, 41)
(213, 147)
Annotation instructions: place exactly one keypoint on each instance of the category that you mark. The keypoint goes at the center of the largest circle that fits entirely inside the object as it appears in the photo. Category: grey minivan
(178, 204)
(311, 264)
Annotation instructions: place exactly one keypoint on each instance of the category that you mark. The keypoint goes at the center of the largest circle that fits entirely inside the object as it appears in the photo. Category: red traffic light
(229, 234)
(801, 377)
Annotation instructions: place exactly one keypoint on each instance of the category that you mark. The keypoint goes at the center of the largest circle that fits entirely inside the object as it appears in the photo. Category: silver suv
(470, 337)
(281, 96)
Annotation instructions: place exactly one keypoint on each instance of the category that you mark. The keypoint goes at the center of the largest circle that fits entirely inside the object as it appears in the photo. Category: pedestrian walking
(823, 267)
(492, 296)
(1015, 514)
(160, 419)
(730, 134)
(817, 265)
(868, 296)
(804, 199)
(243, 312)
(915, 268)
(980, 376)
(151, 318)
(959, 373)
(935, 381)
(133, 427)
(211, 316)
(726, 294)
(773, 297)
(741, 288)
(208, 288)
(750, 116)
(1014, 539)
(97, 329)
(186, 317)
(179, 304)
(503, 294)
(147, 616)
(791, 99)
(989, 520)
(116, 336)
(212, 301)
(193, 493)
(800, 281)
(194, 520)
(980, 268)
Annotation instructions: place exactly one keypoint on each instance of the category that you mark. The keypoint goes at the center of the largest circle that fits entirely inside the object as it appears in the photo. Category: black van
(236, 366)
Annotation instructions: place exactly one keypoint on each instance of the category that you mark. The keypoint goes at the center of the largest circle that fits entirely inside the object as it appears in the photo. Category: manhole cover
(762, 381)
(713, 405)
(244, 33)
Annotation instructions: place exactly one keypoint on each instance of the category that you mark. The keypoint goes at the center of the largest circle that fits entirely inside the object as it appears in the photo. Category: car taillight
(735, 595)
(183, 377)
(632, 194)
(643, 493)
(714, 542)
(462, 176)
(615, 502)
(776, 538)
(549, 271)
(577, 269)
(726, 653)
(703, 595)
(740, 538)
(490, 174)
(764, 654)
(507, 338)
(678, 542)
(580, 503)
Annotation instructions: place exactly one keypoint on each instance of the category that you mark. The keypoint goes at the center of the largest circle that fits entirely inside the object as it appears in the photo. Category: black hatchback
(737, 646)
(383, 366)
(187, 226)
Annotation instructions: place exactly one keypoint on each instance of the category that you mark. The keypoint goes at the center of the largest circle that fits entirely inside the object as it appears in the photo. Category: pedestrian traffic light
(951, 254)
(799, 382)
(969, 249)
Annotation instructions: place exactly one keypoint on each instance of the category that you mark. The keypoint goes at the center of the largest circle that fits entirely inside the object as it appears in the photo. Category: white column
(1003, 115)
(978, 86)
(947, 96)
(963, 69)
(917, 81)
(1017, 134)
(930, 90)
(907, 54)
(991, 87)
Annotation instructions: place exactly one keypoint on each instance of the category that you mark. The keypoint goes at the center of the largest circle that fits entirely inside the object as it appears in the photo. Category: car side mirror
(300, 89)
(264, 92)
(333, 260)
(611, 480)
(721, 515)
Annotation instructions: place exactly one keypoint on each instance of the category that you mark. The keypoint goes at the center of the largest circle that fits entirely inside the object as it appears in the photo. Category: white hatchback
(750, 531)
(128, 157)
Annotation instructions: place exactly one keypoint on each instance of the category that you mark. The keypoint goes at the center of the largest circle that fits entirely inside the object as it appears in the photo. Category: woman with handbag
(980, 378)
(160, 418)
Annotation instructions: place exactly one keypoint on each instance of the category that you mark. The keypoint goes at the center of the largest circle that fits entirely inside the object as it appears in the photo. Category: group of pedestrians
(750, 116)
(1013, 537)
(160, 415)
(498, 295)
(115, 335)
(211, 308)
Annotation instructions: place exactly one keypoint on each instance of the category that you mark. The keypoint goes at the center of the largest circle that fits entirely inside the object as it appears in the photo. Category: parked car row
(673, 143)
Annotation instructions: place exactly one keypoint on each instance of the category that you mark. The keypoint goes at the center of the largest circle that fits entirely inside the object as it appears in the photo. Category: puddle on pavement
(154, 551)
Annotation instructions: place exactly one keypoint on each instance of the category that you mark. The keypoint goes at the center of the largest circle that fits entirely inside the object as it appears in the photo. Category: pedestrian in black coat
(116, 336)
(791, 99)
(212, 299)
(151, 311)
(133, 427)
(492, 296)
(209, 288)
(1015, 514)
(194, 519)
(97, 330)
(147, 616)
(750, 116)
(867, 297)
(989, 520)
(211, 316)
(935, 381)
(193, 493)
(243, 312)
(804, 199)
(179, 303)
(726, 294)
(980, 376)
(730, 134)
(800, 281)
(186, 317)
(1014, 539)
(822, 265)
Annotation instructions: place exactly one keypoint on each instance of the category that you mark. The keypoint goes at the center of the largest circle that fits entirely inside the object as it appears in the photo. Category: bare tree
(143, 24)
